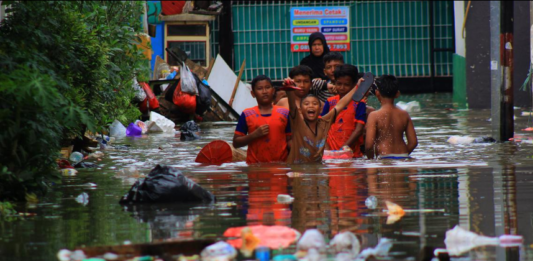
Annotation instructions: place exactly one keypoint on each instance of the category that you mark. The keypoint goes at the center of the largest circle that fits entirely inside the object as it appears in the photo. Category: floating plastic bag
(117, 130)
(346, 242)
(459, 240)
(161, 123)
(412, 106)
(142, 125)
(189, 131)
(133, 130)
(188, 82)
(219, 251)
(166, 184)
(140, 94)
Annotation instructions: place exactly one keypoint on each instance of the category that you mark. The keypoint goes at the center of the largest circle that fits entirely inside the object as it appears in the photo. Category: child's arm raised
(410, 133)
(344, 101)
(293, 109)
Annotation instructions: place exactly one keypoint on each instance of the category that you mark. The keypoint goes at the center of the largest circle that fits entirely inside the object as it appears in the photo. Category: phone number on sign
(340, 46)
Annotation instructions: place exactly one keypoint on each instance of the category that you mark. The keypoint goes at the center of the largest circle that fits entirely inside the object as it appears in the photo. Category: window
(191, 37)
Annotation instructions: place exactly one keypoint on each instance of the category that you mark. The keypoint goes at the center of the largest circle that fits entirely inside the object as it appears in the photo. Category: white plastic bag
(188, 83)
(117, 130)
(140, 94)
(161, 123)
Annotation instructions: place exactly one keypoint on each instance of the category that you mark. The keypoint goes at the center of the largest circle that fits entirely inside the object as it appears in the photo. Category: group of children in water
(321, 115)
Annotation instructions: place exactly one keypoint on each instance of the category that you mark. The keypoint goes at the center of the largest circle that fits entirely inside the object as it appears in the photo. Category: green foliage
(65, 67)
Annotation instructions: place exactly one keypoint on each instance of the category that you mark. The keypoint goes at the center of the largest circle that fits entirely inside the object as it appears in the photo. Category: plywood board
(222, 80)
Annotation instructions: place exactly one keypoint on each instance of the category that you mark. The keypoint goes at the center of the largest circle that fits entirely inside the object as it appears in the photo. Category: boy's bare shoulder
(283, 102)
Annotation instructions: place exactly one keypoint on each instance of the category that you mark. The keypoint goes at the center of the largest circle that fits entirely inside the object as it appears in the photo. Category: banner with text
(333, 22)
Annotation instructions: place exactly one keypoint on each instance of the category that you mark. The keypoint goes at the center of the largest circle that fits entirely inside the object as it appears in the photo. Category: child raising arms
(308, 130)
(385, 127)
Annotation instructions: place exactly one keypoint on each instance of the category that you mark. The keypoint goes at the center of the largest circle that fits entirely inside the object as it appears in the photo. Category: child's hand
(263, 130)
(332, 89)
(289, 85)
(360, 81)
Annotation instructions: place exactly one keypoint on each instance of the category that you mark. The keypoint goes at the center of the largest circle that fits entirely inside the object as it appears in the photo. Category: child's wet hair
(387, 85)
(301, 70)
(310, 95)
(333, 56)
(347, 70)
(258, 79)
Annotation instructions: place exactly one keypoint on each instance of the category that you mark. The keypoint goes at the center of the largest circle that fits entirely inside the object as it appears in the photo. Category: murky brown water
(486, 188)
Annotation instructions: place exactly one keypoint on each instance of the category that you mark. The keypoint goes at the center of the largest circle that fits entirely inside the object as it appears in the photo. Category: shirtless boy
(386, 127)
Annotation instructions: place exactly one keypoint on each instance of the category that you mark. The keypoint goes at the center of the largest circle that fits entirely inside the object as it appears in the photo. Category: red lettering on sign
(304, 30)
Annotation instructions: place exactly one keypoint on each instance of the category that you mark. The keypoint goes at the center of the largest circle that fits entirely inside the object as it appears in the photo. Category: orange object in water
(273, 237)
(218, 152)
(394, 211)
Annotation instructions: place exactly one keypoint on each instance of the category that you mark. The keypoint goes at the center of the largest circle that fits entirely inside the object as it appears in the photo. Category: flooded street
(486, 188)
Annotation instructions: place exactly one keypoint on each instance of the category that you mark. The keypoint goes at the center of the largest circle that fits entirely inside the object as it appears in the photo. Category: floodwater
(485, 188)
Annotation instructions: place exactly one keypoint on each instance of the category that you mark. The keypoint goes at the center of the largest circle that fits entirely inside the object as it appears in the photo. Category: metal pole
(496, 71)
(507, 61)
(431, 46)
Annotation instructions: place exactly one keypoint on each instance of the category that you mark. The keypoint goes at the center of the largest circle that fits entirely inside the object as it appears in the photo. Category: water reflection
(484, 188)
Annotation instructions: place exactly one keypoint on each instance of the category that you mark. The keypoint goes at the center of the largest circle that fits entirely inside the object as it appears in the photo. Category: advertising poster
(332, 21)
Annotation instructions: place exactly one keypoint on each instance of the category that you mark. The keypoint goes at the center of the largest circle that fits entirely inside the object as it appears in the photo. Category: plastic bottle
(76, 157)
(285, 199)
(371, 202)
(262, 253)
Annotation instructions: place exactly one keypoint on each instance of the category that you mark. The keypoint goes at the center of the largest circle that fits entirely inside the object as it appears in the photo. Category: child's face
(344, 85)
(317, 48)
(310, 108)
(329, 68)
(280, 94)
(304, 82)
(263, 92)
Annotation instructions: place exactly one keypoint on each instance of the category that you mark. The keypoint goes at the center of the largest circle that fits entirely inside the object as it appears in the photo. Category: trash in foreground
(166, 184)
(459, 240)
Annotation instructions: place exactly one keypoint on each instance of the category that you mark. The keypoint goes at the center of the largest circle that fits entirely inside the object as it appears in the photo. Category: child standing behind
(264, 128)
(347, 130)
(325, 89)
(386, 126)
(309, 131)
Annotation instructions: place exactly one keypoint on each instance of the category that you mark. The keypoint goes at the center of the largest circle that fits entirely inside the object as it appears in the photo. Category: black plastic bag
(166, 184)
(203, 100)
(189, 131)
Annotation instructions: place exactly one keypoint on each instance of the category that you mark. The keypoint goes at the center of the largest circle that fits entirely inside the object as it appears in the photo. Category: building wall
(478, 79)
(387, 37)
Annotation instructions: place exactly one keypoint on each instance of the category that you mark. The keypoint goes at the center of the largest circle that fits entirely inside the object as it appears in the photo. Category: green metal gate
(387, 37)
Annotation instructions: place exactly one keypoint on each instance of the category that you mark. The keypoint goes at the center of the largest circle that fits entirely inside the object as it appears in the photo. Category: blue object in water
(262, 253)
(284, 258)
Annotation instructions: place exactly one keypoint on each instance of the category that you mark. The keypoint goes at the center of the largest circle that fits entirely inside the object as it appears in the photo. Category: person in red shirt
(348, 128)
(264, 128)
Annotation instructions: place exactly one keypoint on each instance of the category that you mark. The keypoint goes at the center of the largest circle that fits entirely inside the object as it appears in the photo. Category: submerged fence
(387, 37)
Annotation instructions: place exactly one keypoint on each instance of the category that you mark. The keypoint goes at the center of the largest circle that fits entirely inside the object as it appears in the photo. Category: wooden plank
(211, 63)
(237, 82)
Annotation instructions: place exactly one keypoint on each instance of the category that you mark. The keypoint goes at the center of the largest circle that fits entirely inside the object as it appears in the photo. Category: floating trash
(311, 246)
(381, 250)
(285, 199)
(219, 251)
(394, 212)
(83, 199)
(346, 245)
(371, 202)
(459, 240)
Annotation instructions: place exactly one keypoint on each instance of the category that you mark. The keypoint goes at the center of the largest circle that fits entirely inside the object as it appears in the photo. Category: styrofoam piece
(161, 123)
